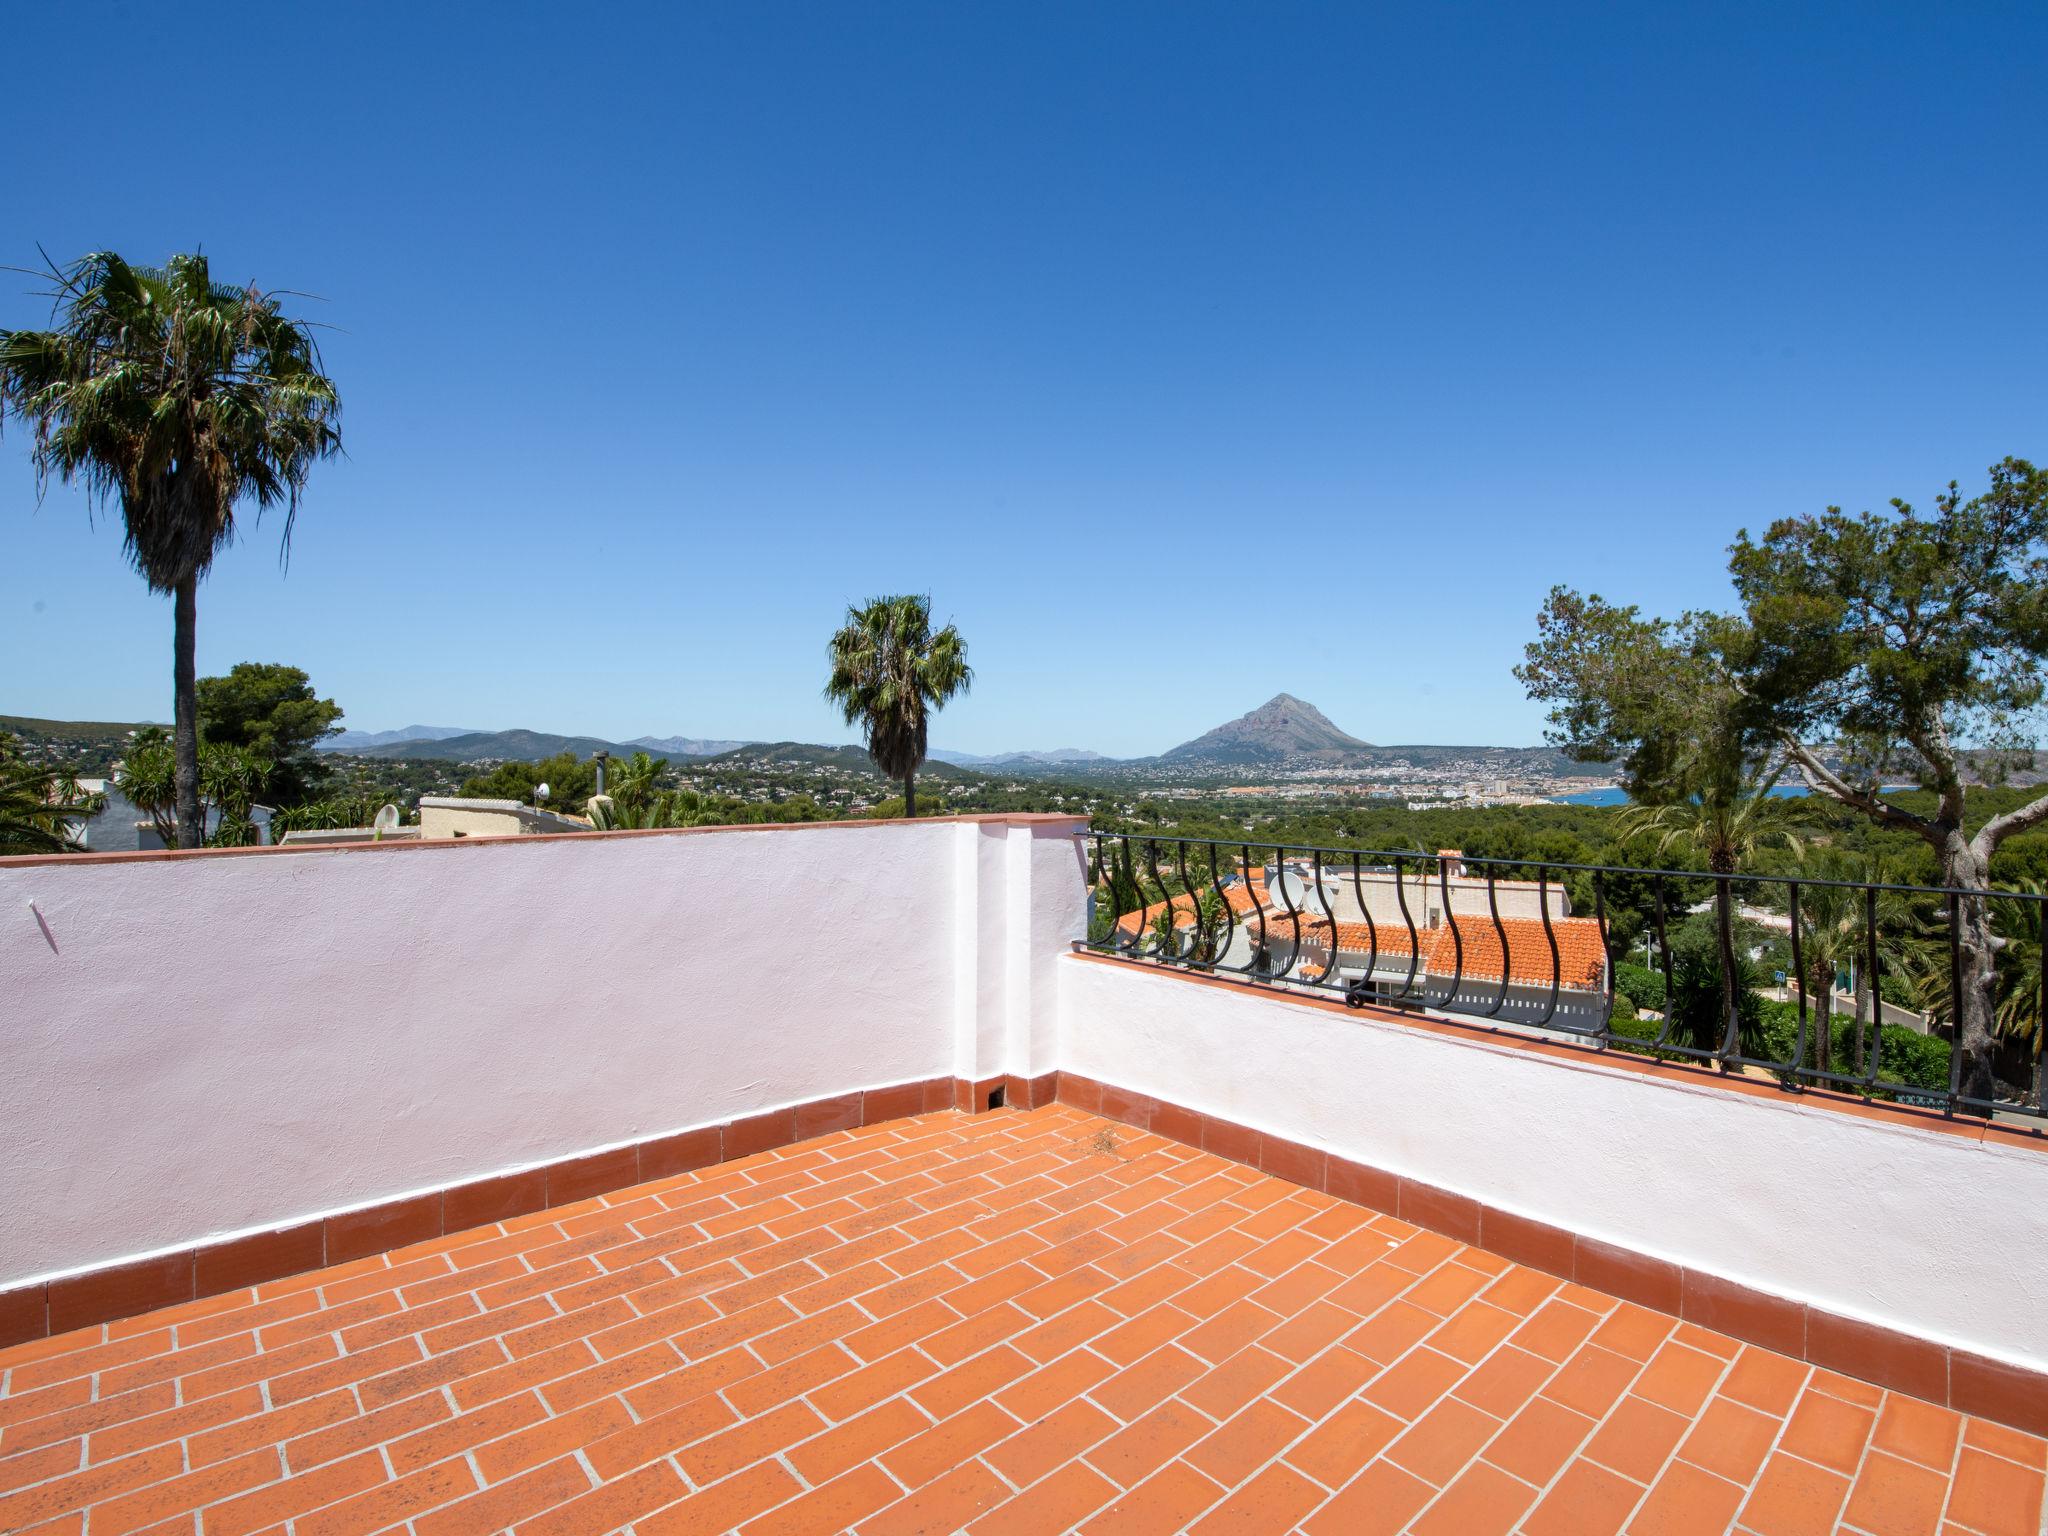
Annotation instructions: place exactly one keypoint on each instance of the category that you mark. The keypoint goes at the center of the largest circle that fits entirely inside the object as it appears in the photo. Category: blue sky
(1184, 353)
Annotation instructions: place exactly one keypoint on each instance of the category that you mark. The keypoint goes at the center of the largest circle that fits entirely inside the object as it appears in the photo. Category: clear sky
(1185, 353)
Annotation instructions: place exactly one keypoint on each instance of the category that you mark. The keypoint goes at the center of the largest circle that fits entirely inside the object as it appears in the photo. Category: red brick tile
(596, 1173)
(957, 1438)
(1541, 1438)
(1895, 1498)
(1245, 1442)
(1165, 1502)
(1061, 1436)
(1380, 1501)
(120, 1290)
(247, 1261)
(1650, 1282)
(1587, 1500)
(1913, 1366)
(949, 1504)
(1917, 1431)
(1687, 1502)
(751, 1134)
(837, 1505)
(1592, 1381)
(1828, 1431)
(484, 1202)
(1679, 1378)
(1750, 1315)
(1226, 1138)
(1482, 1502)
(724, 1506)
(208, 1486)
(821, 1117)
(380, 1228)
(1795, 1498)
(24, 1314)
(1176, 1123)
(1274, 1502)
(1994, 1390)
(611, 1506)
(1292, 1161)
(1637, 1438)
(1439, 1210)
(279, 1501)
(1058, 1503)
(508, 1504)
(1148, 1442)
(893, 1103)
(1730, 1440)
(1995, 1496)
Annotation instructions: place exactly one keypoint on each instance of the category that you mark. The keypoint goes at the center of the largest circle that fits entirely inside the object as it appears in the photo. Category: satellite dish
(387, 819)
(540, 793)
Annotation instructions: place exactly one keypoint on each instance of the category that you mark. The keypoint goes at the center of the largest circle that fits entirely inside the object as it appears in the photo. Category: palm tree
(176, 398)
(1733, 817)
(39, 806)
(889, 672)
(1730, 818)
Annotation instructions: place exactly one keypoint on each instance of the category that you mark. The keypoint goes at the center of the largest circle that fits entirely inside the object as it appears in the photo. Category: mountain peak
(1282, 727)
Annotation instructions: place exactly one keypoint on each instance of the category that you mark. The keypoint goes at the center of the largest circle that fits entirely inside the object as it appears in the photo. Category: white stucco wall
(193, 1046)
(1920, 1231)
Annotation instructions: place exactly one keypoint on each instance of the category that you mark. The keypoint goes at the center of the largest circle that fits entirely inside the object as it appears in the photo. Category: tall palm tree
(889, 672)
(178, 399)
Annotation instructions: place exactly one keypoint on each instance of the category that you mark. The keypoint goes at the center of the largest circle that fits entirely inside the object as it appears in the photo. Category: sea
(1614, 794)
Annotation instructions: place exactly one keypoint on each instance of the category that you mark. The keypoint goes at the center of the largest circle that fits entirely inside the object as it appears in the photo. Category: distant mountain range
(362, 741)
(1004, 759)
(1285, 731)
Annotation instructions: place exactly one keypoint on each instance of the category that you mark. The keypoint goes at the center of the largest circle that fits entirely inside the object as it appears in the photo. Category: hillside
(498, 746)
(1281, 728)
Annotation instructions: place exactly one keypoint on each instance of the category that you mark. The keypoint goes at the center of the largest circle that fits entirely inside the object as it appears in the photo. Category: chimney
(1452, 861)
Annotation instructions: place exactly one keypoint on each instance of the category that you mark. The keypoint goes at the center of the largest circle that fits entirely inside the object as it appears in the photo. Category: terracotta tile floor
(1012, 1323)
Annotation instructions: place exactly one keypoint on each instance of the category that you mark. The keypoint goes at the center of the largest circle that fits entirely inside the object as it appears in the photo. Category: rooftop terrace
(541, 1184)
(1019, 1321)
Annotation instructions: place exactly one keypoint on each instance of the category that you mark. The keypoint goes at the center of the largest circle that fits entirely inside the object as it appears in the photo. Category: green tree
(889, 673)
(270, 710)
(1865, 647)
(39, 804)
(230, 779)
(570, 781)
(178, 399)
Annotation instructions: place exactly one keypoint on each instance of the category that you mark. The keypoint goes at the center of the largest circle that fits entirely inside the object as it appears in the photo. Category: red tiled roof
(1580, 950)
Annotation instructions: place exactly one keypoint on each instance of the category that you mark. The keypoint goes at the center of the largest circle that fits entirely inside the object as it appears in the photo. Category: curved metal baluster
(1876, 995)
(1507, 968)
(1955, 1002)
(1222, 910)
(1194, 945)
(2041, 1012)
(1323, 901)
(1731, 986)
(1099, 891)
(1294, 917)
(1443, 875)
(1138, 933)
(1799, 976)
(1372, 930)
(1549, 933)
(1168, 948)
(1414, 940)
(1265, 946)
(1606, 952)
(1663, 945)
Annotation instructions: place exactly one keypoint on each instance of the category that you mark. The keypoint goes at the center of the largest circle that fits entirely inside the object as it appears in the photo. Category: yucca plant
(39, 805)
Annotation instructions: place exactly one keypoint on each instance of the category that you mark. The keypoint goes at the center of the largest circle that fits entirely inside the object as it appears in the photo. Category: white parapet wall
(196, 1045)
(1932, 1234)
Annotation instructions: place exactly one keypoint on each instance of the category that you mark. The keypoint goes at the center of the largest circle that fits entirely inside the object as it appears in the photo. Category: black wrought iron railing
(1817, 981)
